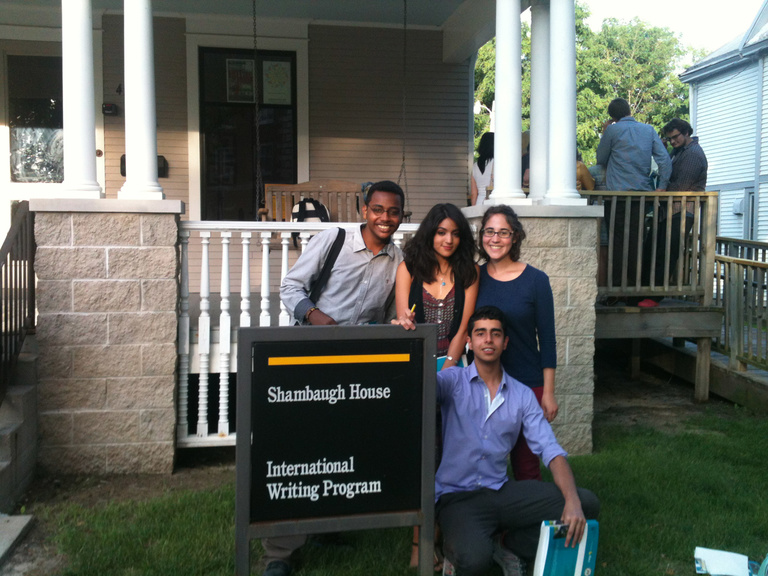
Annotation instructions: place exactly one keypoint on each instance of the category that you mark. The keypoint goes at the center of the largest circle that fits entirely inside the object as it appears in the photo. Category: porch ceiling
(390, 12)
(466, 24)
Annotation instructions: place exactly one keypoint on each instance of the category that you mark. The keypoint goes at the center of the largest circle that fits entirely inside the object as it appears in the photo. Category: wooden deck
(659, 245)
(671, 319)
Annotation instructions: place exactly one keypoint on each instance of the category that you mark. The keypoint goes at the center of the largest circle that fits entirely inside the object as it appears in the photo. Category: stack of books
(554, 559)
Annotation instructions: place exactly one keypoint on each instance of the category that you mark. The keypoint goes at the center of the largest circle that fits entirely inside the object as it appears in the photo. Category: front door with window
(230, 83)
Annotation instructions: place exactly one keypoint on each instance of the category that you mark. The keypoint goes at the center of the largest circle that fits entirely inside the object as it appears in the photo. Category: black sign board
(341, 423)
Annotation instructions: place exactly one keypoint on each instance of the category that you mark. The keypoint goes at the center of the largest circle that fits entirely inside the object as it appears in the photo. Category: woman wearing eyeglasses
(437, 284)
(525, 296)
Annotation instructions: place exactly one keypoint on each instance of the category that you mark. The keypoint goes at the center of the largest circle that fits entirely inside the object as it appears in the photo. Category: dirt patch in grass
(653, 400)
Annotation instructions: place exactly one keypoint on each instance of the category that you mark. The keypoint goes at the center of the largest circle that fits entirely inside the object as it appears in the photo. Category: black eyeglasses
(391, 212)
(671, 137)
(490, 232)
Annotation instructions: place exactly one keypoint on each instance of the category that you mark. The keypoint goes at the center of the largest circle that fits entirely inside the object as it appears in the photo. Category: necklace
(441, 278)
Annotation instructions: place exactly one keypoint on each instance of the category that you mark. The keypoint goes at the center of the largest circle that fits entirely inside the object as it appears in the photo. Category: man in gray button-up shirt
(360, 287)
(360, 290)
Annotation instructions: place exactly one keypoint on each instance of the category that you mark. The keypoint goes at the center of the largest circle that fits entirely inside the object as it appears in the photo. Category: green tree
(485, 86)
(636, 62)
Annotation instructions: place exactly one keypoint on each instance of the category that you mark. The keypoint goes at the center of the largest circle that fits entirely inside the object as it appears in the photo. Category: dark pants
(525, 464)
(282, 547)
(618, 240)
(470, 520)
(661, 249)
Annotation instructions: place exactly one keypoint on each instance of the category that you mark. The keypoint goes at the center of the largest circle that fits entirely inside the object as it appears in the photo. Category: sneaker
(277, 568)
(510, 563)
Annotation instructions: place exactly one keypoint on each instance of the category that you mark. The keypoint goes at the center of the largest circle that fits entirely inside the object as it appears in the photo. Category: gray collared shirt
(626, 149)
(360, 289)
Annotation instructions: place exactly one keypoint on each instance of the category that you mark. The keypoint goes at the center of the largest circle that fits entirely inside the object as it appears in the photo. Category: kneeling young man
(484, 411)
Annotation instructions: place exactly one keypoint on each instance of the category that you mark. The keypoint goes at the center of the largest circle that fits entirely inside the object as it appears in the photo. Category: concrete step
(18, 429)
(8, 434)
(18, 455)
(12, 530)
(25, 373)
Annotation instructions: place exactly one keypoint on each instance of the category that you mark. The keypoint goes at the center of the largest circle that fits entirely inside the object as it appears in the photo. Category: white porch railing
(207, 328)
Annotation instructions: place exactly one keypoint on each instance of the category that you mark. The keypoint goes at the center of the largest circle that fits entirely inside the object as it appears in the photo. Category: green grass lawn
(663, 494)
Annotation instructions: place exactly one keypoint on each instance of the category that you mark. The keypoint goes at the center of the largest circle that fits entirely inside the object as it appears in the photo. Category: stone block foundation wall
(562, 241)
(107, 327)
(565, 248)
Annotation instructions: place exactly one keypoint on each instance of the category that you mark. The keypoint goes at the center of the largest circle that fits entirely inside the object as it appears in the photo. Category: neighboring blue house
(729, 103)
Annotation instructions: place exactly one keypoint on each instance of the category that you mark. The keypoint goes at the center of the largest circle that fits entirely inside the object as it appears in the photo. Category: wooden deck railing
(744, 249)
(741, 288)
(17, 286)
(233, 256)
(657, 244)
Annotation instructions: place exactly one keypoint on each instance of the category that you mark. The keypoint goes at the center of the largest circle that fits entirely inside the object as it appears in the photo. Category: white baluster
(245, 282)
(264, 319)
(204, 338)
(225, 339)
(182, 426)
(303, 239)
(285, 238)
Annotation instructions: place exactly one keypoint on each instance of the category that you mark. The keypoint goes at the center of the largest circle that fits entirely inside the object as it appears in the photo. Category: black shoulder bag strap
(333, 253)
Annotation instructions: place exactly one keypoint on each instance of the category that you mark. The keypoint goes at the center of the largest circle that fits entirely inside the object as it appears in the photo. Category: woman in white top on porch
(482, 171)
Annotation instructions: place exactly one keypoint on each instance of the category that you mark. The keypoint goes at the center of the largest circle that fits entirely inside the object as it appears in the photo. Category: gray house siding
(356, 106)
(728, 108)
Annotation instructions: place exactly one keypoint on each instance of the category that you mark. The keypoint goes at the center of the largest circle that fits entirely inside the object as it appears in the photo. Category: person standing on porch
(689, 174)
(689, 163)
(359, 290)
(482, 170)
(626, 149)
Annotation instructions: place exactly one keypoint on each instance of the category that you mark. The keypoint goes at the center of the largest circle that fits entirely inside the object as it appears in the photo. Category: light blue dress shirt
(360, 289)
(479, 433)
(626, 149)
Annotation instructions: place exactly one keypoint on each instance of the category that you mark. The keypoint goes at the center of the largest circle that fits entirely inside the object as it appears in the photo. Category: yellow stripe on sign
(348, 359)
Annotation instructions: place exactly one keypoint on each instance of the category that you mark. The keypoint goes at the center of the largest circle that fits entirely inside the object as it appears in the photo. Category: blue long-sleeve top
(529, 313)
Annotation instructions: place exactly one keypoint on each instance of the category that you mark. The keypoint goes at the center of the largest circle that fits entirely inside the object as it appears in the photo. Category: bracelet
(449, 358)
(309, 312)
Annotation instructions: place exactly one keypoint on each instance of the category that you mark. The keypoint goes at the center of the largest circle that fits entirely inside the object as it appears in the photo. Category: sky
(701, 23)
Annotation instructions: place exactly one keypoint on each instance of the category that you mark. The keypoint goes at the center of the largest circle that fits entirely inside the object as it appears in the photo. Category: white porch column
(508, 110)
(562, 106)
(539, 177)
(78, 101)
(140, 116)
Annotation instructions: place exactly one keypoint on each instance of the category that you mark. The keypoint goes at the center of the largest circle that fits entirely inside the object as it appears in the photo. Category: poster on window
(277, 82)
(241, 81)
